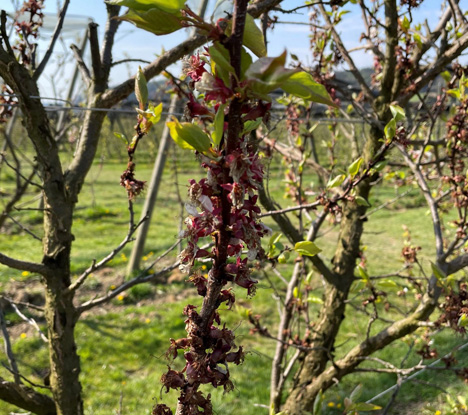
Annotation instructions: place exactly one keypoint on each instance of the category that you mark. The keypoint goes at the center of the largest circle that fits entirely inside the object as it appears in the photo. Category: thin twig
(30, 321)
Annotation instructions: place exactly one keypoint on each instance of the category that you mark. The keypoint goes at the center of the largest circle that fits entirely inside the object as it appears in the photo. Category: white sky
(138, 44)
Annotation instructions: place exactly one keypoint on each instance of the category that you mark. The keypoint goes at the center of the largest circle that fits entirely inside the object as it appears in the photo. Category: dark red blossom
(196, 67)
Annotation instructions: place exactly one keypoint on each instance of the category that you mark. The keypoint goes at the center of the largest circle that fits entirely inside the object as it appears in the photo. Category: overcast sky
(138, 44)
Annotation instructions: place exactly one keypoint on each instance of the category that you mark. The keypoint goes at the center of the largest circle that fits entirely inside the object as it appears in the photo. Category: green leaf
(405, 24)
(363, 406)
(275, 238)
(390, 129)
(454, 93)
(314, 300)
(218, 126)
(463, 320)
(379, 166)
(387, 284)
(189, 136)
(253, 37)
(246, 61)
(317, 409)
(154, 20)
(438, 273)
(360, 201)
(354, 167)
(154, 113)
(363, 273)
(446, 76)
(141, 89)
(267, 74)
(417, 39)
(397, 112)
(302, 85)
(220, 55)
(356, 393)
(296, 293)
(122, 137)
(307, 248)
(283, 257)
(169, 6)
(251, 125)
(337, 181)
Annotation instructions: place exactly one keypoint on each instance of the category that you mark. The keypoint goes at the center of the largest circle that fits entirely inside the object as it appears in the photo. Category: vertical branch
(53, 40)
(389, 73)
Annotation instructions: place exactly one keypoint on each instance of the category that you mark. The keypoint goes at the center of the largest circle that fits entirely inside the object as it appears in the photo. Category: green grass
(122, 346)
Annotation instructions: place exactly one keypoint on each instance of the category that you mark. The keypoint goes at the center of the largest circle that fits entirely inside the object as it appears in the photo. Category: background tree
(409, 57)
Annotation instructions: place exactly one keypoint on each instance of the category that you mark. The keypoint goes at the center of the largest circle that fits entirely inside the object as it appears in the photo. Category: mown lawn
(122, 345)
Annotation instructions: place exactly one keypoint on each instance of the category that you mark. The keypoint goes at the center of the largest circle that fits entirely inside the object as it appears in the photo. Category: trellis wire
(392, 388)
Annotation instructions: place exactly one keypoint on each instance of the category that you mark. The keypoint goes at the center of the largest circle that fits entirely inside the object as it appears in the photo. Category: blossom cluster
(222, 208)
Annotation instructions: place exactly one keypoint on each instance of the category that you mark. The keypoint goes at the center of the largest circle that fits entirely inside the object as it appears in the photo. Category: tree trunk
(332, 313)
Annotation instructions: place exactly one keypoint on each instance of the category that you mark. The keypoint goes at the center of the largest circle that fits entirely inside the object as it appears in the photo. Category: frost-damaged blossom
(222, 209)
(133, 186)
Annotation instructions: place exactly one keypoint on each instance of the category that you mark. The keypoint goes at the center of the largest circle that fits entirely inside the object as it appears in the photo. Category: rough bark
(55, 268)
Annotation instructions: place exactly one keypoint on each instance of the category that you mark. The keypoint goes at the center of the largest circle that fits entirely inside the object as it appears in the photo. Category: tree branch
(457, 264)
(53, 40)
(132, 228)
(85, 74)
(24, 265)
(346, 56)
(26, 398)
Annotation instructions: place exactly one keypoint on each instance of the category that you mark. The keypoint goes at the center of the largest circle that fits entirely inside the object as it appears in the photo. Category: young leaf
(302, 85)
(354, 167)
(251, 125)
(463, 320)
(360, 201)
(267, 74)
(253, 37)
(314, 300)
(390, 129)
(307, 248)
(317, 409)
(218, 126)
(122, 137)
(438, 273)
(220, 55)
(356, 393)
(283, 257)
(296, 293)
(141, 89)
(275, 238)
(397, 112)
(189, 136)
(154, 20)
(379, 166)
(169, 6)
(363, 273)
(363, 406)
(154, 113)
(337, 181)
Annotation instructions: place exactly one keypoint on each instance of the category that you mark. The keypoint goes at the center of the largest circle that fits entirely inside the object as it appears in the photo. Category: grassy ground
(122, 345)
